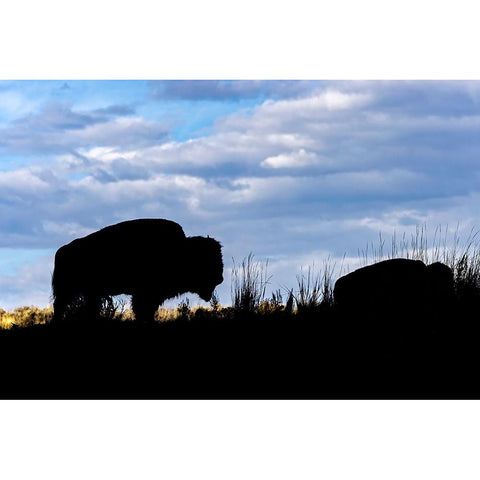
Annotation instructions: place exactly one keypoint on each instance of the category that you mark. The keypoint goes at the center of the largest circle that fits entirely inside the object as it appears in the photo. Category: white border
(240, 440)
(345, 39)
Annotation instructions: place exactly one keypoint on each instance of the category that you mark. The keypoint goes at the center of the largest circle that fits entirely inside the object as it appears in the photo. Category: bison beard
(150, 259)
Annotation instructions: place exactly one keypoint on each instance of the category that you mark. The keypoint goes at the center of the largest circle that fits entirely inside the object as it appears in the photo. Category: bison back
(121, 258)
(390, 286)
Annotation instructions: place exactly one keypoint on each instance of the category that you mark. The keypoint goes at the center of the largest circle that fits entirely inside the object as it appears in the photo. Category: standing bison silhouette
(150, 259)
(396, 287)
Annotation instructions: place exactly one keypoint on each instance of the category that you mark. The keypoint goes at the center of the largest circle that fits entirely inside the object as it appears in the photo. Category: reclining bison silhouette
(150, 259)
(396, 287)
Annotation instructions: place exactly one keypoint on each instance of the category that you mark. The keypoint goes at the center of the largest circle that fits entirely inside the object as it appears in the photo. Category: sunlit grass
(25, 317)
(7, 320)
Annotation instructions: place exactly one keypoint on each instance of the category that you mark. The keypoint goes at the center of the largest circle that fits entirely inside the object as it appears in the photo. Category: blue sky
(293, 171)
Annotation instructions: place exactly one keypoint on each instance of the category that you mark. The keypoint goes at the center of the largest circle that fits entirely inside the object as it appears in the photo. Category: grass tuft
(249, 283)
(315, 288)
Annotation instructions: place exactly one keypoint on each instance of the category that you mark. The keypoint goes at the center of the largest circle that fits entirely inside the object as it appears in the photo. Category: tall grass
(250, 279)
(315, 288)
(309, 292)
(463, 257)
(249, 283)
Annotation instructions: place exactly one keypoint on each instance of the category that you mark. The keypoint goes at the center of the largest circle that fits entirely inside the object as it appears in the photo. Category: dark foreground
(316, 355)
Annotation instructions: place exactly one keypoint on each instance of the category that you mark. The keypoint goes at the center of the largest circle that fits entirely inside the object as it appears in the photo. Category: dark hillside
(229, 354)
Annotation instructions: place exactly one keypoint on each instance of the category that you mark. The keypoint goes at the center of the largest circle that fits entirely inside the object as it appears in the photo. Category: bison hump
(144, 227)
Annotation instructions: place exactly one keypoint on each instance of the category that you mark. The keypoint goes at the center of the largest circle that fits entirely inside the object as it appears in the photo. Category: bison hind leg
(144, 307)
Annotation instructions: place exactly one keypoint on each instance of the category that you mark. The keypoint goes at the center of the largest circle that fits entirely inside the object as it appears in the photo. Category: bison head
(204, 256)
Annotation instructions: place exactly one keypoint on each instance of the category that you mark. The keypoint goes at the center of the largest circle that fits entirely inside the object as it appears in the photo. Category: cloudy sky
(293, 171)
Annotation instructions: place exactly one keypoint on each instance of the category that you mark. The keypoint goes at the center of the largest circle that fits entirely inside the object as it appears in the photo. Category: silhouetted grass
(463, 257)
(249, 283)
(315, 288)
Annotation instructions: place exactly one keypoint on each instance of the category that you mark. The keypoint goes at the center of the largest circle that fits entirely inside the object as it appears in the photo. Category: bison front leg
(144, 307)
(93, 304)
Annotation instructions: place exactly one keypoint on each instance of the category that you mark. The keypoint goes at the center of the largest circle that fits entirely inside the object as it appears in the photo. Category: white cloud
(278, 115)
(21, 178)
(328, 100)
(298, 159)
(123, 131)
(390, 221)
